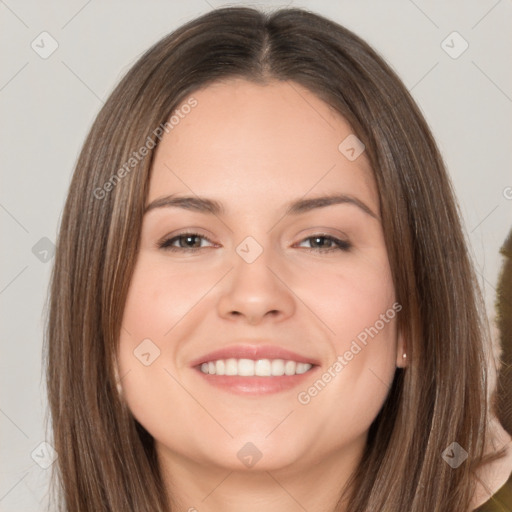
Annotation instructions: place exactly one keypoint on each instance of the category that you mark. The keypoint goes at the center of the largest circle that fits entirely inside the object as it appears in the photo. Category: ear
(401, 350)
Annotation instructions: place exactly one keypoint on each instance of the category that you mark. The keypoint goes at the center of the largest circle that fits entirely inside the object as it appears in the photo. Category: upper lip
(247, 351)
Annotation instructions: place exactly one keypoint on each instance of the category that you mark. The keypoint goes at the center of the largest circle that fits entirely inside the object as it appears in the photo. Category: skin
(255, 148)
(493, 475)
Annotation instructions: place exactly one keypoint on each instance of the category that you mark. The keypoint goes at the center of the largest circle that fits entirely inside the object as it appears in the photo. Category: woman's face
(254, 265)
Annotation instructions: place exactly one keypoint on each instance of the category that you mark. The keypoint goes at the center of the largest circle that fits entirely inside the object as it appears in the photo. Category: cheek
(351, 297)
(358, 307)
(161, 295)
(158, 298)
(348, 393)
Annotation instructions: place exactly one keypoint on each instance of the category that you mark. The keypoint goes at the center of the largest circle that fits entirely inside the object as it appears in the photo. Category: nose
(257, 292)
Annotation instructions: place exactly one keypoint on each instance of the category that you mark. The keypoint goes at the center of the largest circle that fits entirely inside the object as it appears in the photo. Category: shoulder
(501, 501)
(494, 480)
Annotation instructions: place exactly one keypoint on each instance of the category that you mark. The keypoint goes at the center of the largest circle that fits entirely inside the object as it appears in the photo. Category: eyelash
(342, 245)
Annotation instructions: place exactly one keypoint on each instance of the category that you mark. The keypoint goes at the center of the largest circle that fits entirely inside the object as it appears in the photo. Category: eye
(186, 242)
(334, 244)
(192, 242)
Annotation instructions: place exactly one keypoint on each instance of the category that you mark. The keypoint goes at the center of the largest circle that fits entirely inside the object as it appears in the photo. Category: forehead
(250, 141)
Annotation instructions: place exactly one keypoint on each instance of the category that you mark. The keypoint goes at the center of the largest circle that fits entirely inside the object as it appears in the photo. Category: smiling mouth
(255, 377)
(254, 368)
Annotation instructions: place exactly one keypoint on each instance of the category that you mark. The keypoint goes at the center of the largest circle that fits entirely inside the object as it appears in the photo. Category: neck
(196, 486)
(491, 476)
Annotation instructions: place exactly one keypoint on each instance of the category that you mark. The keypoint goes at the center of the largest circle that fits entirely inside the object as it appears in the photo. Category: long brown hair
(107, 460)
(503, 397)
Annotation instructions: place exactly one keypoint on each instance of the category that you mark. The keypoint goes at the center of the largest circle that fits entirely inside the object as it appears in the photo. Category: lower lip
(256, 385)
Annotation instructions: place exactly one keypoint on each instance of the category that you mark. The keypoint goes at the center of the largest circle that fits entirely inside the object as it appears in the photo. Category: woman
(322, 346)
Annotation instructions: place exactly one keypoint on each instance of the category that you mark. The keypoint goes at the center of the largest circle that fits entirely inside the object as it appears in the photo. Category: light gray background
(48, 105)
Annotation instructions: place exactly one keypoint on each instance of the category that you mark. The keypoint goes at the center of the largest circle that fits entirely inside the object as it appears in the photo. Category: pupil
(316, 239)
(189, 239)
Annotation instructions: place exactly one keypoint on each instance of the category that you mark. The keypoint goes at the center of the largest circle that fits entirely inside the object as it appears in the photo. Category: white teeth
(259, 368)
(277, 367)
(302, 368)
(220, 367)
(289, 367)
(231, 367)
(246, 367)
(263, 368)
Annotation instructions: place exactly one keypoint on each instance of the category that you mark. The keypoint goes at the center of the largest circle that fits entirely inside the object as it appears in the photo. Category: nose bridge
(253, 264)
(254, 288)
(250, 250)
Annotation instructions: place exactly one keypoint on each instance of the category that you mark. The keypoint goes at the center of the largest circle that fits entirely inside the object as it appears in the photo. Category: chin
(251, 454)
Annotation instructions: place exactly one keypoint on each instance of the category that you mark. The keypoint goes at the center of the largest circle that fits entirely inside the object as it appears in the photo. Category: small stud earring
(404, 355)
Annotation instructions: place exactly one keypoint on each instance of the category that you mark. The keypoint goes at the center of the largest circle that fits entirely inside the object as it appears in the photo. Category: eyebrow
(297, 207)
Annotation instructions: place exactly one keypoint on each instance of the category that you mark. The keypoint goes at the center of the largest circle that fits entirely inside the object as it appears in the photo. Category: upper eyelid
(193, 233)
(321, 231)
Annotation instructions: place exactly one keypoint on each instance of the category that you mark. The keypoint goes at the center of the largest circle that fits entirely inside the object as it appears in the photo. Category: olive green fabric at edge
(501, 501)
